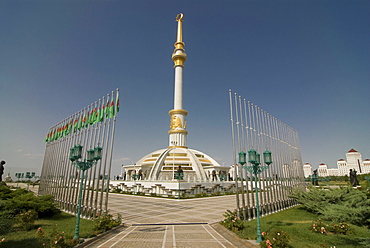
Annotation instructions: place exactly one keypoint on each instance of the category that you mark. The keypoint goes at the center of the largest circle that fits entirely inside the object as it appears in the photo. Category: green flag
(111, 109)
(85, 121)
(93, 116)
(117, 102)
(101, 113)
(97, 116)
(79, 126)
(106, 109)
(47, 138)
(75, 124)
(69, 127)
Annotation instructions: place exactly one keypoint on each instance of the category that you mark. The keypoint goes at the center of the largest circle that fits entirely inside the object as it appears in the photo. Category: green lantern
(78, 152)
(242, 157)
(252, 156)
(267, 157)
(97, 153)
(258, 159)
(90, 155)
(72, 154)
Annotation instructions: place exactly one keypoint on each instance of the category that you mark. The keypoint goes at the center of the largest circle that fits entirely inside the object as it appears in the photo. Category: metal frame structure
(254, 128)
(90, 127)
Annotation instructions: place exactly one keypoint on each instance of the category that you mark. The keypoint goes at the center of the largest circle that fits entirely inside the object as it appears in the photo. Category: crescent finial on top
(179, 17)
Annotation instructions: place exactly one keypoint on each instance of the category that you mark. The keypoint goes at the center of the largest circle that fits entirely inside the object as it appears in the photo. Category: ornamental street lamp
(179, 175)
(93, 156)
(256, 168)
(19, 175)
(222, 179)
(29, 175)
(135, 177)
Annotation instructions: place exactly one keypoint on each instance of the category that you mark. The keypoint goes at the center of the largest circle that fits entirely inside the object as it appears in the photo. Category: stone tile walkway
(150, 210)
(165, 236)
(164, 223)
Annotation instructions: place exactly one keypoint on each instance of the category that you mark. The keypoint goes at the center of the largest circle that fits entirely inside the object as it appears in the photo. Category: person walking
(2, 169)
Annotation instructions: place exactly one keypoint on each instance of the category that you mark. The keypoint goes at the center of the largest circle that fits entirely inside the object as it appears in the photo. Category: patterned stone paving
(166, 223)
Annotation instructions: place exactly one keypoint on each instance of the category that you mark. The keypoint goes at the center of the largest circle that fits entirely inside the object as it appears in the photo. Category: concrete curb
(103, 235)
(233, 238)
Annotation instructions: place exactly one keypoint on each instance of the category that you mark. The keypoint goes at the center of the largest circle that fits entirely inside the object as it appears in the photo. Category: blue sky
(305, 62)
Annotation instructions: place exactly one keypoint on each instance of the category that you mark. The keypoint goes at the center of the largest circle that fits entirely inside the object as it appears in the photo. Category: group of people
(352, 178)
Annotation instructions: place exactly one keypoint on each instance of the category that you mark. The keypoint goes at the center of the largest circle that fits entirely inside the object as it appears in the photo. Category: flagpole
(106, 128)
(234, 153)
(102, 124)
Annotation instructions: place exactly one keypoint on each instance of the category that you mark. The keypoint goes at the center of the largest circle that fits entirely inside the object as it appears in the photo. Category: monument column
(177, 132)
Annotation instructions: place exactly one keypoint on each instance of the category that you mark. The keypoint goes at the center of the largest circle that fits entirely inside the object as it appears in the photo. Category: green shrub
(43, 205)
(117, 190)
(320, 227)
(344, 204)
(218, 193)
(54, 239)
(232, 221)
(275, 239)
(26, 220)
(6, 221)
(5, 192)
(200, 195)
(106, 222)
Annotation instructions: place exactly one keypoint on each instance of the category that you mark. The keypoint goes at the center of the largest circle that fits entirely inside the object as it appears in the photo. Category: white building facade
(307, 170)
(323, 170)
(354, 162)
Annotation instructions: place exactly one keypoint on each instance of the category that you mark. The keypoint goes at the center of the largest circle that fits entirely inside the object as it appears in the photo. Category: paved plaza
(151, 222)
(153, 210)
(161, 222)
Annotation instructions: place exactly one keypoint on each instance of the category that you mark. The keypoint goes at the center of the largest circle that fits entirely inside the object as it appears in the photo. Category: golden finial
(179, 19)
(179, 56)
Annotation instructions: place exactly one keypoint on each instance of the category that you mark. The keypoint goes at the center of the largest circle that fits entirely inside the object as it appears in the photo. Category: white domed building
(162, 164)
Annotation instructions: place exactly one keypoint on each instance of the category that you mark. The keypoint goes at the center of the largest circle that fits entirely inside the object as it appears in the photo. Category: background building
(307, 170)
(323, 170)
(355, 162)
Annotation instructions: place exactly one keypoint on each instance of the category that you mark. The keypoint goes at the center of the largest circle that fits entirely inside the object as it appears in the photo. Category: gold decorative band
(178, 111)
(179, 45)
(177, 131)
(179, 59)
(178, 147)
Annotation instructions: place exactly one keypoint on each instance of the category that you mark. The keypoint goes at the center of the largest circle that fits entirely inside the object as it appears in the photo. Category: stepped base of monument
(171, 188)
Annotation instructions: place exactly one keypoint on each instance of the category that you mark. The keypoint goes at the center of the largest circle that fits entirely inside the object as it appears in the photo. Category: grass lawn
(297, 222)
(60, 222)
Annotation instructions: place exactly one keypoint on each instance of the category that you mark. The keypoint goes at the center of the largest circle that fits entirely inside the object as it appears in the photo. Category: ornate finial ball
(179, 17)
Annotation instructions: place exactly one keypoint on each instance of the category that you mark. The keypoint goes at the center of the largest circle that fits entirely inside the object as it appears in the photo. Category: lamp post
(222, 179)
(19, 175)
(135, 177)
(255, 159)
(29, 175)
(93, 156)
(179, 175)
(174, 144)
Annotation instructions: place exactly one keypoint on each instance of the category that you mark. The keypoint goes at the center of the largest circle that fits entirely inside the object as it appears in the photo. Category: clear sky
(306, 62)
